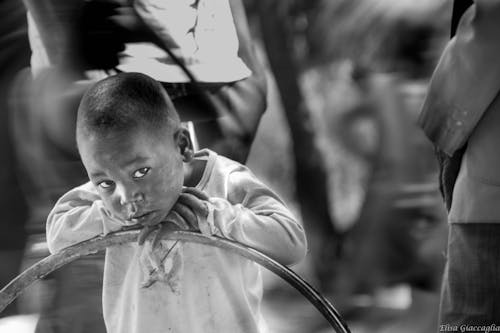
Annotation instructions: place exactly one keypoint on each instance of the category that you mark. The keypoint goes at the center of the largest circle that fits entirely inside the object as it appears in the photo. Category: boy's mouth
(141, 217)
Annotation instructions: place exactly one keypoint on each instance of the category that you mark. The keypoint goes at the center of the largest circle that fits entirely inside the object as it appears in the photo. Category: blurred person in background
(14, 55)
(461, 115)
(75, 43)
(201, 51)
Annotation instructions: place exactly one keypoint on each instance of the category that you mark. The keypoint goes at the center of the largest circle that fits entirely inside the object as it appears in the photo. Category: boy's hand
(185, 214)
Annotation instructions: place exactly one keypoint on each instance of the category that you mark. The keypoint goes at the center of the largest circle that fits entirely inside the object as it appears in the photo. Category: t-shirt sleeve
(254, 215)
(78, 216)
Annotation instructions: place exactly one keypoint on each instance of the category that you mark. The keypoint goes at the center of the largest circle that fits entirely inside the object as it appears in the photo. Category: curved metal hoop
(57, 260)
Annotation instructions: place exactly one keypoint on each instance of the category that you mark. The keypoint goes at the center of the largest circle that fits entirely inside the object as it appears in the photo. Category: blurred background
(338, 141)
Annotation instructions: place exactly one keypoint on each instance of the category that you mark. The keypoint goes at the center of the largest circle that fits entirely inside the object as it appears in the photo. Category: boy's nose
(130, 204)
(130, 196)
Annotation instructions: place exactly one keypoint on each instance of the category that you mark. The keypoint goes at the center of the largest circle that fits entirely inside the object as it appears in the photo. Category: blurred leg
(14, 55)
(11, 261)
(76, 304)
(471, 292)
(73, 302)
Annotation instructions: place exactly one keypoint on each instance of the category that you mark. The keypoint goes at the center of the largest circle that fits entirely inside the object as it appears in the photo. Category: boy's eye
(139, 173)
(105, 184)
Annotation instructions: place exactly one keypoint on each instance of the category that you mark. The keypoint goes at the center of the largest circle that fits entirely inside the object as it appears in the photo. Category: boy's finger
(151, 223)
(175, 218)
(165, 228)
(194, 203)
(194, 191)
(187, 214)
(145, 232)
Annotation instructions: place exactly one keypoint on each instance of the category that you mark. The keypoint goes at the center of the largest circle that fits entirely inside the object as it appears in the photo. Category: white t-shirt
(200, 32)
(212, 291)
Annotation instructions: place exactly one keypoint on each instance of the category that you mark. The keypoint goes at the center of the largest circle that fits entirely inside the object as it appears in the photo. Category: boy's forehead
(107, 139)
(123, 145)
(100, 157)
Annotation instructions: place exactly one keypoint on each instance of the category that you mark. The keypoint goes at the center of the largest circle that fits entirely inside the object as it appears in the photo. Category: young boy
(143, 171)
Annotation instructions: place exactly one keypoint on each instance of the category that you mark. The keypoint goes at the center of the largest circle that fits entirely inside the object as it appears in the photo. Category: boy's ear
(183, 141)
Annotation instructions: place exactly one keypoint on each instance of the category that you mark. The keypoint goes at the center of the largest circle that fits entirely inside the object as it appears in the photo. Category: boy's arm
(255, 216)
(77, 216)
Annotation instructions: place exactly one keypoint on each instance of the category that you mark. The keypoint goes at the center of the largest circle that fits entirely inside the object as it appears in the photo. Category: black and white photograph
(249, 166)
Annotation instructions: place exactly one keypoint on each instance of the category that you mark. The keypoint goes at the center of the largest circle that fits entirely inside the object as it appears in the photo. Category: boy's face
(139, 175)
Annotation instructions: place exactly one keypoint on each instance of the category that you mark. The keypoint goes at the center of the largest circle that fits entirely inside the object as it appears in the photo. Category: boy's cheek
(168, 201)
(170, 190)
(115, 209)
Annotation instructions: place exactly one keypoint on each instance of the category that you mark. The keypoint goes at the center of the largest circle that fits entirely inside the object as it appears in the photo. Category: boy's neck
(193, 171)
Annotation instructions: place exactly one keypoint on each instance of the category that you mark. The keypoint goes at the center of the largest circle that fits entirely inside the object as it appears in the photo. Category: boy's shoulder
(219, 164)
(87, 187)
(85, 192)
(232, 175)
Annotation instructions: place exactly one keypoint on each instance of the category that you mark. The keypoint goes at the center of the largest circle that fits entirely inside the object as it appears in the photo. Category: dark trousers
(76, 302)
(471, 283)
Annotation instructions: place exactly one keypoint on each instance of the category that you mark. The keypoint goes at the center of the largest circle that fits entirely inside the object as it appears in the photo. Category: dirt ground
(294, 314)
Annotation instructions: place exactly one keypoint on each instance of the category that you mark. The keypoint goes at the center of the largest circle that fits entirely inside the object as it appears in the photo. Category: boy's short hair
(123, 102)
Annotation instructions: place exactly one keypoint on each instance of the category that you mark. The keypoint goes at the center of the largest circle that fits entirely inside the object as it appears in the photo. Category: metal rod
(67, 255)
